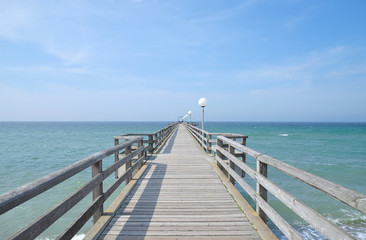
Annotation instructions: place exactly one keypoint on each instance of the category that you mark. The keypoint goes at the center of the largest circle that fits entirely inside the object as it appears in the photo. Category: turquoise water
(335, 151)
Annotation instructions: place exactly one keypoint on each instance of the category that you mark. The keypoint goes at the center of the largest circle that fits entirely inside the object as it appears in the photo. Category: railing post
(151, 143)
(128, 164)
(209, 143)
(98, 191)
(243, 155)
(219, 154)
(116, 158)
(141, 154)
(201, 136)
(231, 164)
(155, 139)
(261, 169)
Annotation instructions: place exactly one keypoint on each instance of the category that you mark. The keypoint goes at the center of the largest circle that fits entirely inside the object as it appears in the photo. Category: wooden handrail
(206, 139)
(124, 152)
(22, 194)
(324, 226)
(352, 198)
(154, 139)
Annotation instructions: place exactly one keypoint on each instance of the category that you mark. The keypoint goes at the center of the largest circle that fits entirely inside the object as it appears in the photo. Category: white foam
(283, 135)
(76, 237)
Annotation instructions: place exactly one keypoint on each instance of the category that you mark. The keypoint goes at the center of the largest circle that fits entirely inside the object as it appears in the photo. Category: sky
(151, 60)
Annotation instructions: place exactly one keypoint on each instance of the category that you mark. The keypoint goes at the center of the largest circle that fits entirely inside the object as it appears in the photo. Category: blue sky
(254, 60)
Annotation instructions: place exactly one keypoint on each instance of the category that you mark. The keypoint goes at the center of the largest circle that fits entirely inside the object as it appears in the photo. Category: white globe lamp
(202, 102)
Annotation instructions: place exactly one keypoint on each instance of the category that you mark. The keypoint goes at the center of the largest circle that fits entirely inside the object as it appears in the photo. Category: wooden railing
(226, 154)
(154, 140)
(207, 139)
(130, 155)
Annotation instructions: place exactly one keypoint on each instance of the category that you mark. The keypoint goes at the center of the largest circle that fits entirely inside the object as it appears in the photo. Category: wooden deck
(179, 196)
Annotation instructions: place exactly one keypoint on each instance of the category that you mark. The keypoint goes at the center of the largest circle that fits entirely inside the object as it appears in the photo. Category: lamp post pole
(190, 113)
(203, 118)
(203, 102)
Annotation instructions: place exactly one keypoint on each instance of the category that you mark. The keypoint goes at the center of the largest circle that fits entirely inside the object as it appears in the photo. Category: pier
(180, 185)
(178, 195)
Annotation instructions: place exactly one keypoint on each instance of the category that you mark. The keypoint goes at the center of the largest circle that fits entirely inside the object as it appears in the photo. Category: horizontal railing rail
(230, 157)
(130, 155)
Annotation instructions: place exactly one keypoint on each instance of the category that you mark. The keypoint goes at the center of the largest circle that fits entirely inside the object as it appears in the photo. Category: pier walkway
(179, 196)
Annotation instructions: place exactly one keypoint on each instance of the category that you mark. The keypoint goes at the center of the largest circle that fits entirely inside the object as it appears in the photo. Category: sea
(334, 151)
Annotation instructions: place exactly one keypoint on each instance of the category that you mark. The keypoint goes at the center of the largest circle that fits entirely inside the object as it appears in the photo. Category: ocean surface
(334, 151)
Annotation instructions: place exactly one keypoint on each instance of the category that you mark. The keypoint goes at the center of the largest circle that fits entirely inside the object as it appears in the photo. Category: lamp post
(190, 113)
(203, 102)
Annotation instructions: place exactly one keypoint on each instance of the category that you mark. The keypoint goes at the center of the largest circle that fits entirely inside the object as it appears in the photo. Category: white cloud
(56, 28)
(14, 19)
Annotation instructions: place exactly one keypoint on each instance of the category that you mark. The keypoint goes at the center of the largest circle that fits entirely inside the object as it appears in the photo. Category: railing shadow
(140, 213)
(170, 143)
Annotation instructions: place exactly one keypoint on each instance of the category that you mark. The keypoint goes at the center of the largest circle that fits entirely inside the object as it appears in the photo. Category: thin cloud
(45, 27)
(313, 66)
(224, 14)
(292, 23)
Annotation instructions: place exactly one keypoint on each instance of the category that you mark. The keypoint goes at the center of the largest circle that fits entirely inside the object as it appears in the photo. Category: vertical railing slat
(116, 158)
(261, 169)
(98, 191)
(128, 163)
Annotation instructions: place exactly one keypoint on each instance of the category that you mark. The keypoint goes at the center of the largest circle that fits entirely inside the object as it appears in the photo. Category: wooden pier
(179, 196)
(179, 185)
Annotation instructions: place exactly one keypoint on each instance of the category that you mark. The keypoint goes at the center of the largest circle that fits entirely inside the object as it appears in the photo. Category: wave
(76, 237)
(350, 221)
(283, 135)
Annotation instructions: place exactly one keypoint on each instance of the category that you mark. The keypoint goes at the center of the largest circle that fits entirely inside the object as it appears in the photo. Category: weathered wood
(315, 219)
(98, 228)
(98, 190)
(261, 191)
(21, 194)
(14, 198)
(206, 142)
(116, 157)
(262, 229)
(151, 143)
(209, 143)
(281, 223)
(42, 223)
(122, 178)
(352, 198)
(128, 164)
(179, 188)
(74, 228)
(231, 164)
